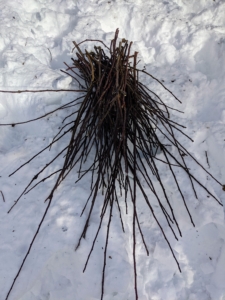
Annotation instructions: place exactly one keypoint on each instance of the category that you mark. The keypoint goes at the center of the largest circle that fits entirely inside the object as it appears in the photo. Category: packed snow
(182, 43)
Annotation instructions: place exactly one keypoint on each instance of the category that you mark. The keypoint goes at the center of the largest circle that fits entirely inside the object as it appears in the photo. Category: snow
(180, 42)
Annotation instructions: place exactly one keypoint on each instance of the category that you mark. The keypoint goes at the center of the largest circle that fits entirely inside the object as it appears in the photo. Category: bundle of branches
(119, 122)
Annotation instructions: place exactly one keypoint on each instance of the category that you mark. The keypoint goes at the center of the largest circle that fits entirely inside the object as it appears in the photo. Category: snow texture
(181, 42)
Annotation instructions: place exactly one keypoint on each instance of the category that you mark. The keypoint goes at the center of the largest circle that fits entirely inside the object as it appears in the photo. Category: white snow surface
(181, 42)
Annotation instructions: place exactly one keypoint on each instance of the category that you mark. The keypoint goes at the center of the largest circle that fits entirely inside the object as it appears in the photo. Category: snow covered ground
(181, 42)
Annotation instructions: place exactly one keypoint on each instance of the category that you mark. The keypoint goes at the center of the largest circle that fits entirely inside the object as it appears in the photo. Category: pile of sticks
(117, 121)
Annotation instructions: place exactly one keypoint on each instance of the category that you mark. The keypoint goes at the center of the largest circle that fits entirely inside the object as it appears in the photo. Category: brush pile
(118, 122)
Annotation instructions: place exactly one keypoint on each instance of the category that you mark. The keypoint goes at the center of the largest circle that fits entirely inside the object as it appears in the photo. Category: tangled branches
(118, 120)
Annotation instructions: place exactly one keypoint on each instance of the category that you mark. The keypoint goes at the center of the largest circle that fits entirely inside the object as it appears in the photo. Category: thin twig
(39, 91)
(207, 160)
(2, 196)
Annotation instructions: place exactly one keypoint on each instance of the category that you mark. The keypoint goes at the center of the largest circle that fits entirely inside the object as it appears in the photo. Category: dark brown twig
(39, 91)
(207, 159)
(2, 196)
